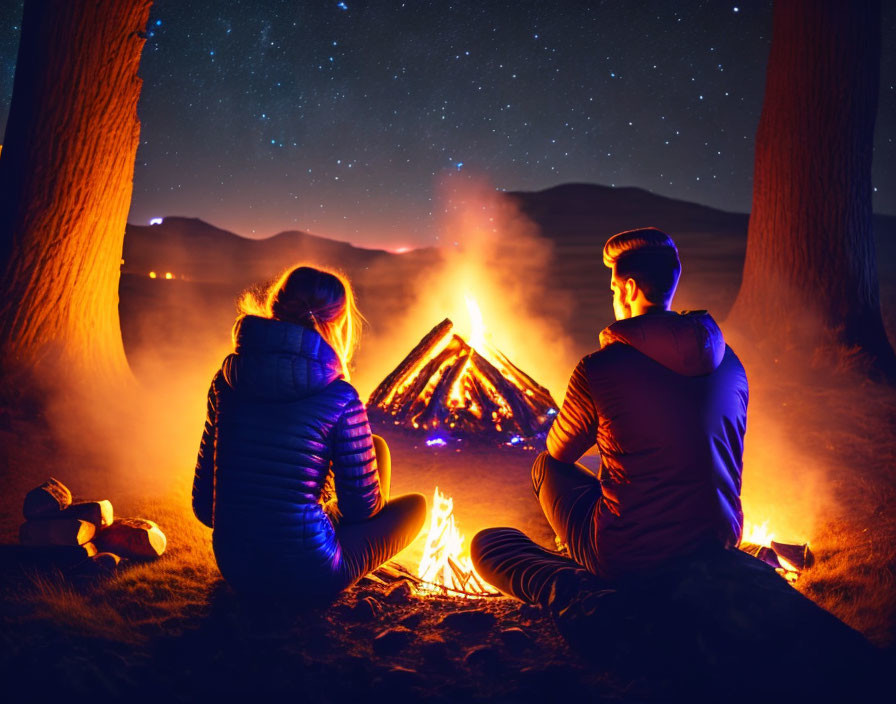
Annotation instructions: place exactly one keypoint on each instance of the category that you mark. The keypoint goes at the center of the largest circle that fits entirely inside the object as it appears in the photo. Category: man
(665, 400)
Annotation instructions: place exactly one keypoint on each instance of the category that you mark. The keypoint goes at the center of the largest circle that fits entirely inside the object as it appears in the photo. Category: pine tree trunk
(810, 276)
(66, 176)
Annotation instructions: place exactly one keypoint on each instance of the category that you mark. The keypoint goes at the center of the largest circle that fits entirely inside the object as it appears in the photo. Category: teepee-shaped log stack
(446, 385)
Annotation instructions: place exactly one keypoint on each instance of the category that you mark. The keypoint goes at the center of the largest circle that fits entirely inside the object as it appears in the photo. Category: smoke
(141, 439)
(138, 437)
(492, 253)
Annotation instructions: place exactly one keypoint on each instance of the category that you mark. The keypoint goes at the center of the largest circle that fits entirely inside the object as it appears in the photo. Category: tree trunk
(810, 275)
(66, 176)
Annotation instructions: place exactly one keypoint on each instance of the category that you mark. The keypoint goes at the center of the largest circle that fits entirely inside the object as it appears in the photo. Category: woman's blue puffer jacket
(280, 417)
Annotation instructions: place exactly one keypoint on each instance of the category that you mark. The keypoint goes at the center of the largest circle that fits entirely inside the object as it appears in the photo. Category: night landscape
(463, 162)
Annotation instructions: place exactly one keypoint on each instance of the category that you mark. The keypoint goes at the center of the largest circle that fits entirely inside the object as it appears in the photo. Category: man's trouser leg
(515, 565)
(568, 494)
(508, 560)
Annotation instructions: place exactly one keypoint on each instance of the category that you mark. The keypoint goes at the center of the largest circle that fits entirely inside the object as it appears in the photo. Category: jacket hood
(689, 343)
(277, 360)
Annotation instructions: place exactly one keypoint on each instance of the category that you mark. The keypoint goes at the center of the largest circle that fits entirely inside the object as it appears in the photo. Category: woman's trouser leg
(367, 545)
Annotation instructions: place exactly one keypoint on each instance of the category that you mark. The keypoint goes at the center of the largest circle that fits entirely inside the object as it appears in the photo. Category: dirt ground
(820, 466)
(173, 629)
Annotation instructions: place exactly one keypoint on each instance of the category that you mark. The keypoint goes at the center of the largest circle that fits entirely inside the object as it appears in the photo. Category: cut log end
(48, 499)
(137, 538)
(56, 531)
(97, 512)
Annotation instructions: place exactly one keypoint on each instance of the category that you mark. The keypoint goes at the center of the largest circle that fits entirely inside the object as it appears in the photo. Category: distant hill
(210, 266)
(580, 210)
(579, 217)
(194, 250)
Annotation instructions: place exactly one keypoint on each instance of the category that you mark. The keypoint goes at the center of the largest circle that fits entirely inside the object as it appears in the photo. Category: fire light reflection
(466, 387)
(445, 567)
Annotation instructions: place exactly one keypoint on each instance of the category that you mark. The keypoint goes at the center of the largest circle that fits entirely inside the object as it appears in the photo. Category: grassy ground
(172, 628)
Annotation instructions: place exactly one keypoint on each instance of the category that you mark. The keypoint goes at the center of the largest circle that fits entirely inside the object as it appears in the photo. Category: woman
(282, 415)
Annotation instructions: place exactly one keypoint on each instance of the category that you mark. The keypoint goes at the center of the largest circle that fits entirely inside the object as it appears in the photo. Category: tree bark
(66, 177)
(810, 276)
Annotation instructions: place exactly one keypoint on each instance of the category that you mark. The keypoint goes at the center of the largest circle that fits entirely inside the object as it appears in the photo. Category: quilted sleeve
(354, 464)
(204, 474)
(575, 428)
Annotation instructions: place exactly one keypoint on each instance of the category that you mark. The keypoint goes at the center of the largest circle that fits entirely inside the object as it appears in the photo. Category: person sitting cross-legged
(282, 420)
(665, 400)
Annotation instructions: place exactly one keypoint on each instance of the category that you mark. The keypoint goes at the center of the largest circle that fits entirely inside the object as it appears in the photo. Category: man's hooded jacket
(665, 399)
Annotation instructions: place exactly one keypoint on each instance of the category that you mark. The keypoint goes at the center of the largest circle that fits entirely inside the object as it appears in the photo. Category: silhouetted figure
(654, 585)
(282, 416)
(665, 400)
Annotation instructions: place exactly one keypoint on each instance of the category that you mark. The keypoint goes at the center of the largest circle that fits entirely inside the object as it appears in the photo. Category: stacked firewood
(446, 385)
(85, 532)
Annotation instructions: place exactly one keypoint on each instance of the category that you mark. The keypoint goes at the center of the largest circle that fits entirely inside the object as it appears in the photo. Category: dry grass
(163, 627)
(846, 427)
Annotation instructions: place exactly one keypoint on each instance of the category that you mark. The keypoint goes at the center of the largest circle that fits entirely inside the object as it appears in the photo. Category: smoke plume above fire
(493, 255)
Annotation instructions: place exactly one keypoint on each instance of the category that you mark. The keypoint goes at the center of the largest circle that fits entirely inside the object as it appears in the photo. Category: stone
(515, 639)
(97, 512)
(468, 622)
(399, 593)
(137, 538)
(56, 531)
(482, 657)
(48, 499)
(398, 680)
(393, 640)
(106, 561)
(367, 609)
(438, 656)
(530, 613)
(412, 620)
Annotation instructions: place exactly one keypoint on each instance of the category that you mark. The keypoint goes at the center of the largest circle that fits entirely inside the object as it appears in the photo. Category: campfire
(446, 567)
(450, 387)
(789, 560)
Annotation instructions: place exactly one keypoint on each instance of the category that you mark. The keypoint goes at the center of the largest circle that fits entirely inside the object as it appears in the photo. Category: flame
(152, 274)
(445, 565)
(757, 534)
(477, 326)
(464, 386)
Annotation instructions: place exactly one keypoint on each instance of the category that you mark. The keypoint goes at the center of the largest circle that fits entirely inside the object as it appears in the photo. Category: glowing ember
(789, 560)
(477, 326)
(757, 534)
(465, 388)
(446, 566)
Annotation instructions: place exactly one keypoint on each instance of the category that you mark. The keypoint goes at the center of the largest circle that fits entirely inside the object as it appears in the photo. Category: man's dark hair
(650, 257)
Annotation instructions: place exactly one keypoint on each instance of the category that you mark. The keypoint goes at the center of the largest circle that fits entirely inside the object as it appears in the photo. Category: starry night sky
(342, 118)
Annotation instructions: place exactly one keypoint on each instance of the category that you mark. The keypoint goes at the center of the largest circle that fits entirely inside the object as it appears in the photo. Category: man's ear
(631, 289)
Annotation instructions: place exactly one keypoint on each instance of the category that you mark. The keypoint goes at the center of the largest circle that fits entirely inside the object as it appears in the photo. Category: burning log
(788, 559)
(445, 566)
(445, 384)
